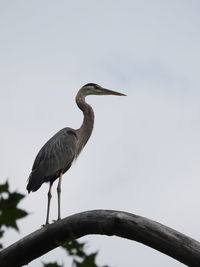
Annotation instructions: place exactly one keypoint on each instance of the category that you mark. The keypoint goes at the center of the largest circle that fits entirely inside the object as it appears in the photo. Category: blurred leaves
(9, 212)
(4, 188)
(74, 248)
(52, 265)
(88, 261)
(80, 258)
(1, 234)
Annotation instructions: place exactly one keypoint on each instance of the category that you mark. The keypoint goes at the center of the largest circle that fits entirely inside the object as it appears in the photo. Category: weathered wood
(103, 222)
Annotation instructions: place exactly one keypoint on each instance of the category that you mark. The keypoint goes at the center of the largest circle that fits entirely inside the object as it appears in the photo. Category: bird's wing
(55, 156)
(58, 152)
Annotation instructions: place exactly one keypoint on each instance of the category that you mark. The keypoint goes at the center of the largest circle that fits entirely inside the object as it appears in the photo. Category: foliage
(10, 213)
(80, 257)
(52, 265)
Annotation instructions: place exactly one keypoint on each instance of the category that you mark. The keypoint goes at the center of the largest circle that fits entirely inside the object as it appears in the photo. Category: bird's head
(95, 89)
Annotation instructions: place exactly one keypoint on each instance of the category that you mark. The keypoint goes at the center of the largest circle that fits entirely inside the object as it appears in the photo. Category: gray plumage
(58, 154)
(55, 156)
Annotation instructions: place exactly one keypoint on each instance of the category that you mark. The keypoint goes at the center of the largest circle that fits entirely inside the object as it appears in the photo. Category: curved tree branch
(103, 222)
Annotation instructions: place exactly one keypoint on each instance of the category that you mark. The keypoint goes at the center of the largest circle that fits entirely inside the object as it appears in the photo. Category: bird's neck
(85, 131)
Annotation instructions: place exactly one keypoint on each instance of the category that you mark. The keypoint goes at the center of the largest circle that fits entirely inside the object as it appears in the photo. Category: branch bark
(103, 222)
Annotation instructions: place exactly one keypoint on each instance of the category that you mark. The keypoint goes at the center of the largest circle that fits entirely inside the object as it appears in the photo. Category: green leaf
(80, 258)
(4, 188)
(52, 265)
(1, 234)
(74, 248)
(9, 213)
(89, 261)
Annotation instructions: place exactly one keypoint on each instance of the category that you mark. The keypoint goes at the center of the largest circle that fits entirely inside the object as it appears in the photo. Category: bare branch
(103, 222)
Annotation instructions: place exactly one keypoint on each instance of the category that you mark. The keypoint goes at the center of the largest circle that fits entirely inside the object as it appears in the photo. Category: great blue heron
(57, 155)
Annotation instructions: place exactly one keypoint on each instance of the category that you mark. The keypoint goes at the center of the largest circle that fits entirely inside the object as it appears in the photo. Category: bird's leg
(59, 192)
(48, 204)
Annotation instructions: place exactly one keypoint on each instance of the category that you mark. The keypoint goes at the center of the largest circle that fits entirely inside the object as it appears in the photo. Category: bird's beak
(105, 91)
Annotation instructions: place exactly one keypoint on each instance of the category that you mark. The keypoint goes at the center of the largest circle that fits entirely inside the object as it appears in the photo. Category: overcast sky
(144, 153)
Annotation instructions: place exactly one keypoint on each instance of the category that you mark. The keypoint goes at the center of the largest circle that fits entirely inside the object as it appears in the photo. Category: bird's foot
(45, 225)
(57, 220)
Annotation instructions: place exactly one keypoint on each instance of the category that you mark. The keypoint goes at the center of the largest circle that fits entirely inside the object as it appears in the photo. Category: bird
(61, 150)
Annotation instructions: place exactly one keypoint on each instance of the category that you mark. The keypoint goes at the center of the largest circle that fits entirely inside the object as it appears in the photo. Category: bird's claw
(56, 220)
(45, 225)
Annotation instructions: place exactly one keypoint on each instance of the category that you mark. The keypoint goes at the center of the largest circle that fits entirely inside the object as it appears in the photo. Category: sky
(143, 156)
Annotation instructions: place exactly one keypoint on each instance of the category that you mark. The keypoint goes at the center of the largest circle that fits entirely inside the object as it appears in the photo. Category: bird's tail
(34, 182)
